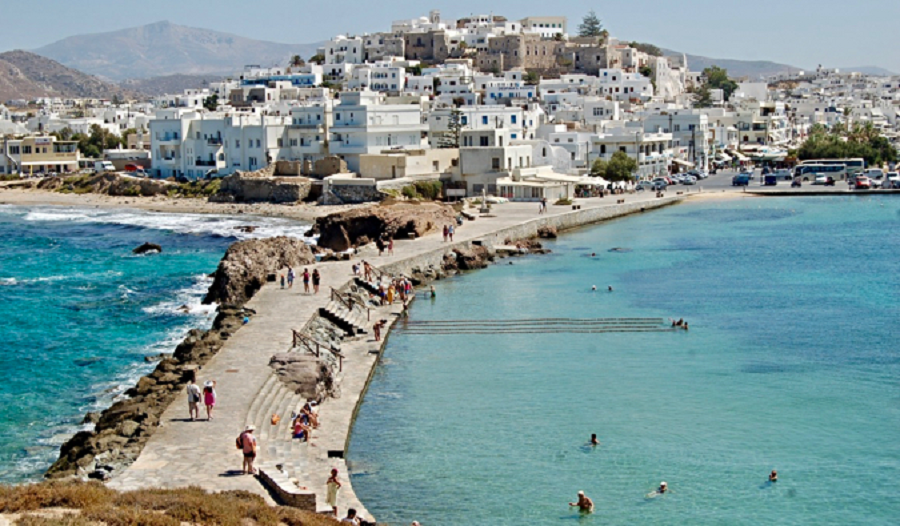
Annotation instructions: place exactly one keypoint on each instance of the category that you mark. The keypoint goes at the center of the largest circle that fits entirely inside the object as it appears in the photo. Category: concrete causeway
(183, 453)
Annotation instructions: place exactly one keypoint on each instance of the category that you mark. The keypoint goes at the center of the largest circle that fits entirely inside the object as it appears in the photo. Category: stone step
(265, 423)
(260, 396)
(256, 415)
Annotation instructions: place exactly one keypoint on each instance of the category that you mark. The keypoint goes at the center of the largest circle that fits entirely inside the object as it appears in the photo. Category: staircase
(353, 322)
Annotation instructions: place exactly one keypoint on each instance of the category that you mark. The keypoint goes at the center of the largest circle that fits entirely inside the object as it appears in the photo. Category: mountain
(24, 75)
(170, 83)
(752, 69)
(164, 48)
(870, 70)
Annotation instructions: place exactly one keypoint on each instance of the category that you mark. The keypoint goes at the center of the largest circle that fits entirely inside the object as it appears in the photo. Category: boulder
(147, 248)
(305, 374)
(547, 232)
(91, 418)
(246, 265)
(353, 228)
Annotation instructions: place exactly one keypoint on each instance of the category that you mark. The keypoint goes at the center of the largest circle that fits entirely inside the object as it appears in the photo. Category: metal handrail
(349, 302)
(314, 347)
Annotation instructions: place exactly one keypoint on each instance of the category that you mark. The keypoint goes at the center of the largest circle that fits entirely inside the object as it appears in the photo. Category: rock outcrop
(354, 228)
(247, 265)
(108, 183)
(305, 374)
(262, 186)
(147, 248)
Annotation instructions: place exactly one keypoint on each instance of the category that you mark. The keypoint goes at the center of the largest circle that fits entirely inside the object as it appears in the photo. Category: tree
(531, 78)
(99, 139)
(598, 169)
(702, 97)
(317, 58)
(649, 49)
(842, 142)
(415, 70)
(211, 103)
(454, 130)
(717, 78)
(621, 167)
(297, 61)
(646, 71)
(590, 25)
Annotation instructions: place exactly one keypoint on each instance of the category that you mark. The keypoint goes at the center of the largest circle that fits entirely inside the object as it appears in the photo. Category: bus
(808, 172)
(853, 166)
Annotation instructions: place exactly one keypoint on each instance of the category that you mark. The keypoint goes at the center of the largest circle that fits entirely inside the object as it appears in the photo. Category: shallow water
(790, 364)
(81, 312)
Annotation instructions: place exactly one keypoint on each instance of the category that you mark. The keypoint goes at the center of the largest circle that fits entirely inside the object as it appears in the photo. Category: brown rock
(357, 227)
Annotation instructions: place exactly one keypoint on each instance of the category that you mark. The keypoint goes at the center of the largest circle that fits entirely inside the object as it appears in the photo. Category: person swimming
(773, 476)
(594, 441)
(610, 288)
(593, 287)
(585, 504)
(663, 487)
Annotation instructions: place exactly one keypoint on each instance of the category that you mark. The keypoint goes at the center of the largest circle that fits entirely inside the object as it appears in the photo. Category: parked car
(863, 183)
(820, 179)
(784, 174)
(660, 183)
(740, 180)
(770, 180)
(689, 179)
(644, 185)
(893, 178)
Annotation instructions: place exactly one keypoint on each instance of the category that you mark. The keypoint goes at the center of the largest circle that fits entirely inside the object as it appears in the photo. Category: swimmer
(585, 504)
(610, 288)
(593, 254)
(663, 487)
(685, 326)
(773, 476)
(593, 287)
(594, 441)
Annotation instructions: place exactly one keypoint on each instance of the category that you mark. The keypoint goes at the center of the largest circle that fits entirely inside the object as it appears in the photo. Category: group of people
(680, 323)
(305, 421)
(314, 277)
(449, 230)
(195, 395)
(385, 243)
(542, 205)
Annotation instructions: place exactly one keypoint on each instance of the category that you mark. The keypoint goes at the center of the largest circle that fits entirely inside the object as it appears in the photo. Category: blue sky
(802, 33)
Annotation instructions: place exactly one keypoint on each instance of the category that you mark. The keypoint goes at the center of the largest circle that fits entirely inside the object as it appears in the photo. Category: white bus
(850, 167)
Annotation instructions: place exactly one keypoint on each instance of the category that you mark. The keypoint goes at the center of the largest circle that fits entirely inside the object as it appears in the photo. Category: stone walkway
(184, 453)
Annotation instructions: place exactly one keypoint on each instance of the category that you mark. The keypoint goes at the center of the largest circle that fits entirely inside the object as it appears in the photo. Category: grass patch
(10, 177)
(155, 507)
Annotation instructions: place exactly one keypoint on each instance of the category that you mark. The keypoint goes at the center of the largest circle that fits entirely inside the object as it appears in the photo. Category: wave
(187, 301)
(49, 279)
(225, 226)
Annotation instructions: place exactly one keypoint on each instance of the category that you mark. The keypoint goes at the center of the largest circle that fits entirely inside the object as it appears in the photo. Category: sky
(801, 33)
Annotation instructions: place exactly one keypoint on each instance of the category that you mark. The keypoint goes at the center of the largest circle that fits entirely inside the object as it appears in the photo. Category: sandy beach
(301, 211)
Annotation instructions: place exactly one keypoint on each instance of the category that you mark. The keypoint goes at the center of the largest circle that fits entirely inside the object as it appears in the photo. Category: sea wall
(527, 230)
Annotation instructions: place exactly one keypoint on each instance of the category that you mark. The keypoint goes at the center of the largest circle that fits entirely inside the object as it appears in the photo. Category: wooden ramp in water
(536, 326)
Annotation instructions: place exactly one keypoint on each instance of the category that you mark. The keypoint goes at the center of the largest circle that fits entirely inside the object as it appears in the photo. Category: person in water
(585, 504)
(663, 487)
(594, 441)
(773, 476)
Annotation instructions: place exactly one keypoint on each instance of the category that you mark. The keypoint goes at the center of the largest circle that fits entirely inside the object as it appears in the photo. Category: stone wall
(238, 188)
(342, 194)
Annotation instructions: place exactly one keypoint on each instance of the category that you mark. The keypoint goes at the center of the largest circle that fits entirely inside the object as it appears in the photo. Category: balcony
(214, 141)
(200, 162)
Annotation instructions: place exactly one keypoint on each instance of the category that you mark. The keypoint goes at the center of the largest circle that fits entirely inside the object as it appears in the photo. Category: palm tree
(297, 61)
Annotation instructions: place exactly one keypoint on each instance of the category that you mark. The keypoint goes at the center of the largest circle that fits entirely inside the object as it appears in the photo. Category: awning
(683, 163)
(740, 156)
(722, 156)
(49, 163)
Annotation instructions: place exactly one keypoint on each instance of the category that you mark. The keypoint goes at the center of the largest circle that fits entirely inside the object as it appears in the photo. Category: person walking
(390, 246)
(209, 397)
(446, 233)
(306, 280)
(316, 278)
(290, 277)
(193, 393)
(450, 232)
(248, 447)
(333, 485)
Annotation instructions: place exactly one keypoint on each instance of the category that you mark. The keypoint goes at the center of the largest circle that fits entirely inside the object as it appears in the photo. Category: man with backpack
(246, 442)
(193, 392)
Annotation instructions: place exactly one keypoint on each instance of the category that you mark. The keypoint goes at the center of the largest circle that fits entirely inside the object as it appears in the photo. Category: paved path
(202, 453)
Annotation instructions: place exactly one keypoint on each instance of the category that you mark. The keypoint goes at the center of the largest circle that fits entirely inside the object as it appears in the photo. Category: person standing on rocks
(248, 448)
(306, 280)
(209, 397)
(333, 485)
(193, 393)
(316, 278)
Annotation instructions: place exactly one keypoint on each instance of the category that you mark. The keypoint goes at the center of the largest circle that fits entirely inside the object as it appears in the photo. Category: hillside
(752, 69)
(170, 83)
(164, 48)
(24, 75)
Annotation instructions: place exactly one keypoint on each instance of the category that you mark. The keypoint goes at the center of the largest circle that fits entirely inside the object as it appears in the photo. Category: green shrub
(429, 189)
(410, 192)
(563, 201)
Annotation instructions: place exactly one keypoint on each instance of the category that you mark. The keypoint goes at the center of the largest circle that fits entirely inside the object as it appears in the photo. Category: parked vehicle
(784, 174)
(689, 179)
(893, 178)
(644, 185)
(740, 180)
(770, 180)
(104, 166)
(660, 183)
(863, 183)
(820, 179)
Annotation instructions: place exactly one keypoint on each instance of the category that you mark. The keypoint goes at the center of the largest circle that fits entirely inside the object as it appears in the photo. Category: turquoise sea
(791, 363)
(80, 312)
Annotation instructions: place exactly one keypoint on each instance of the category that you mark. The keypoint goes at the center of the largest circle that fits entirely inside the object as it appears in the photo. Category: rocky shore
(121, 431)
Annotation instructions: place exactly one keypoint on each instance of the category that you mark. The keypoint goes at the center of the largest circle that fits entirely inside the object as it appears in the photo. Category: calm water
(80, 312)
(791, 363)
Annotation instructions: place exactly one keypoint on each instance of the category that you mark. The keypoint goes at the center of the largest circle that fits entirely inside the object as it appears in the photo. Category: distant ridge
(164, 48)
(870, 70)
(752, 69)
(24, 75)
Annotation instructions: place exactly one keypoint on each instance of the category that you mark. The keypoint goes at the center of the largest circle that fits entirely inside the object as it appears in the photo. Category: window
(26, 150)
(495, 163)
(257, 143)
(484, 120)
(280, 143)
(464, 120)
(484, 141)
(337, 116)
(513, 135)
(512, 119)
(237, 143)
